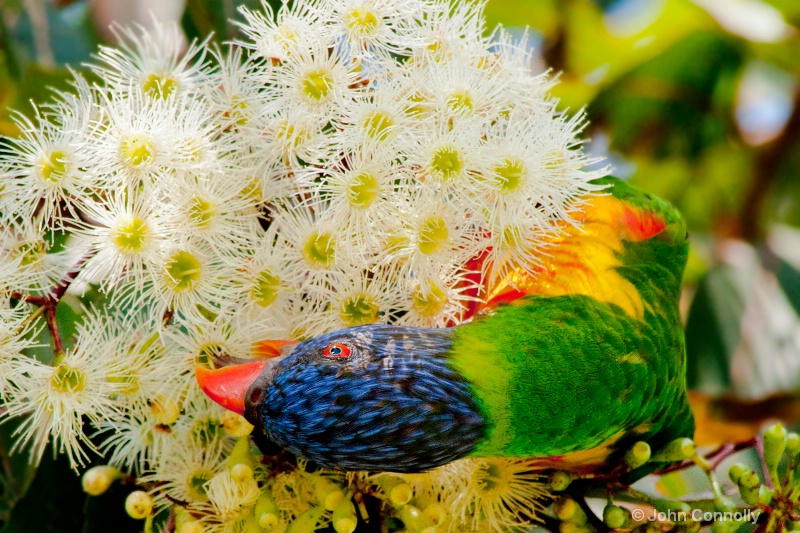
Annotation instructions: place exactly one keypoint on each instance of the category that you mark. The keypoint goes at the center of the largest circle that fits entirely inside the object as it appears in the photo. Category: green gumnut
(242, 453)
(749, 480)
(307, 521)
(792, 445)
(397, 491)
(568, 510)
(328, 493)
(774, 445)
(735, 472)
(413, 519)
(749, 495)
(616, 517)
(344, 518)
(559, 481)
(266, 511)
(637, 455)
(676, 450)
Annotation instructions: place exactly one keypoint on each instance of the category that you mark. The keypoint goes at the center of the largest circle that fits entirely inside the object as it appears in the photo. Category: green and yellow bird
(571, 363)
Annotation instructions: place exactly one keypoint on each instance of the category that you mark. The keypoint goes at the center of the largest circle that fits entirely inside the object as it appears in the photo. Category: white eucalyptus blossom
(344, 162)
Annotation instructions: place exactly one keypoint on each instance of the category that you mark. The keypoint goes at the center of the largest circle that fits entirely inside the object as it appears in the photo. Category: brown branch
(27, 298)
(767, 165)
(50, 302)
(55, 336)
(59, 290)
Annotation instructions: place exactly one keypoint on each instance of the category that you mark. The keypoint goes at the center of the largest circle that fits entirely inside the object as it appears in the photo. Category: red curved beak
(228, 385)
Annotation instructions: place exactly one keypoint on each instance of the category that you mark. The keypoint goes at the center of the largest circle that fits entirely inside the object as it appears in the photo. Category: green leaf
(542, 15)
(53, 503)
(678, 103)
(202, 18)
(741, 334)
(712, 331)
(16, 473)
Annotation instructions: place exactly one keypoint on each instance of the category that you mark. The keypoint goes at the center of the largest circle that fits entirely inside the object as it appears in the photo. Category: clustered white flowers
(348, 162)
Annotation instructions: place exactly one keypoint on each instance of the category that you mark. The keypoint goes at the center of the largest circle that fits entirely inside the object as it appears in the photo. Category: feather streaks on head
(392, 403)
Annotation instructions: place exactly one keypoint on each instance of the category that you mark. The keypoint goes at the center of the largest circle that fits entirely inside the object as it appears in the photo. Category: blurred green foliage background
(696, 101)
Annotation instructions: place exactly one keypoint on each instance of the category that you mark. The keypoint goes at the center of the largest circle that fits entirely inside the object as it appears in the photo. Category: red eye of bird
(336, 351)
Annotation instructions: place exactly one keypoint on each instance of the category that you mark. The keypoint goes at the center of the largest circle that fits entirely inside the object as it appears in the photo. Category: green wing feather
(558, 375)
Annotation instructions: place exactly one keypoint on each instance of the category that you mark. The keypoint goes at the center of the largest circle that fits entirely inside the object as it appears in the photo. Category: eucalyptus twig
(714, 458)
(55, 336)
(48, 303)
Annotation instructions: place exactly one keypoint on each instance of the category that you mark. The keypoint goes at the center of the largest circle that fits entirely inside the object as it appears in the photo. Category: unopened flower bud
(328, 493)
(396, 490)
(97, 479)
(616, 517)
(436, 513)
(138, 504)
(749, 480)
(637, 455)
(749, 494)
(559, 480)
(307, 521)
(774, 445)
(344, 518)
(242, 453)
(413, 519)
(676, 450)
(241, 473)
(792, 445)
(568, 510)
(735, 472)
(266, 512)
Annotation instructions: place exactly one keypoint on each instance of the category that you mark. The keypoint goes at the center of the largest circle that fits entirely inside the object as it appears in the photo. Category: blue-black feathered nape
(392, 404)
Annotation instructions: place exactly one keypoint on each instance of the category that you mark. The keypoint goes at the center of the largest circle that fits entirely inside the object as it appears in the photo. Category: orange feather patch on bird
(583, 257)
(642, 225)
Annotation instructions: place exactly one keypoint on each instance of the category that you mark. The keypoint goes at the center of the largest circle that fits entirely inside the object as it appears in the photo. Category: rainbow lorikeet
(572, 363)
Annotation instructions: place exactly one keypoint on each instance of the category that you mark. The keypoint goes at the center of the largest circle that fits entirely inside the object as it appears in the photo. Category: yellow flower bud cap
(344, 517)
(97, 479)
(241, 473)
(139, 504)
(637, 455)
(676, 450)
(401, 494)
(559, 480)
